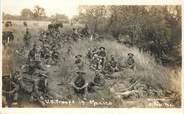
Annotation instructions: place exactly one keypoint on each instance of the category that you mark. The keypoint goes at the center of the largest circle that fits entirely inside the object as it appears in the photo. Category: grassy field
(147, 71)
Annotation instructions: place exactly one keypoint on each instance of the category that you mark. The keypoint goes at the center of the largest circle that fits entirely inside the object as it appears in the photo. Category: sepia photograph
(68, 55)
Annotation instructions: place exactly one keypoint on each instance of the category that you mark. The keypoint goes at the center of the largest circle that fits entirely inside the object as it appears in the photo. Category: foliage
(156, 29)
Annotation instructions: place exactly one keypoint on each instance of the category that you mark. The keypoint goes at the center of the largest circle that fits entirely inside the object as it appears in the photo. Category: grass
(147, 70)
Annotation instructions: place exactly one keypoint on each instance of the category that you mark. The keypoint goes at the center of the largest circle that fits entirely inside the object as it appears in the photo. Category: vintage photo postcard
(69, 55)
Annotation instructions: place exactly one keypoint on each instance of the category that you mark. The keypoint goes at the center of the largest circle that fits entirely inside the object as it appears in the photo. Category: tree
(39, 12)
(26, 13)
(94, 16)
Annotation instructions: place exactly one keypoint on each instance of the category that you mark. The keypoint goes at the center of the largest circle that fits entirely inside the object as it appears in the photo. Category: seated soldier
(43, 84)
(114, 64)
(55, 55)
(102, 54)
(94, 62)
(98, 81)
(45, 52)
(32, 53)
(130, 61)
(89, 54)
(78, 62)
(108, 69)
(79, 84)
(75, 35)
(69, 51)
(94, 51)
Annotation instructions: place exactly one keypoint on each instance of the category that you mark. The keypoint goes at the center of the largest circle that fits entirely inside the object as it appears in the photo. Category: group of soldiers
(47, 51)
(103, 67)
(18, 88)
(99, 60)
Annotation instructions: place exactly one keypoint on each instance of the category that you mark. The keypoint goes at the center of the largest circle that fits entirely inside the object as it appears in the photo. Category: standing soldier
(27, 38)
(131, 61)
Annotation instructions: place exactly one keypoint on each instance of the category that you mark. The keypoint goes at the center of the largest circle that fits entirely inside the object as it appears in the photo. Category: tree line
(37, 13)
(154, 29)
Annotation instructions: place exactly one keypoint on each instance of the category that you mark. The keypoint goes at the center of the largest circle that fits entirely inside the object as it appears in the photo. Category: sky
(67, 7)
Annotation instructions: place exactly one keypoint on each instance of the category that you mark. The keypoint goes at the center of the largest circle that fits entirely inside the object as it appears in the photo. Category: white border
(98, 110)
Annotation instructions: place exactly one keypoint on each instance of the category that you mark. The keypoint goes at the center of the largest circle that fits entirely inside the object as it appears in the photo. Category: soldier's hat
(102, 48)
(6, 76)
(130, 54)
(78, 56)
(43, 75)
(80, 72)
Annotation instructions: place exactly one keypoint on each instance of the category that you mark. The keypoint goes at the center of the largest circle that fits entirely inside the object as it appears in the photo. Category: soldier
(130, 61)
(8, 33)
(9, 90)
(69, 51)
(79, 84)
(32, 53)
(25, 24)
(43, 84)
(27, 38)
(55, 56)
(78, 62)
(94, 62)
(102, 55)
(114, 64)
(94, 51)
(37, 95)
(98, 81)
(89, 54)
(75, 35)
(85, 31)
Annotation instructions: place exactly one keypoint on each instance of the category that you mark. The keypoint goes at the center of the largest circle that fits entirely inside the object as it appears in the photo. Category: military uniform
(78, 62)
(114, 64)
(27, 38)
(79, 84)
(32, 53)
(130, 61)
(43, 83)
(102, 55)
(97, 81)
